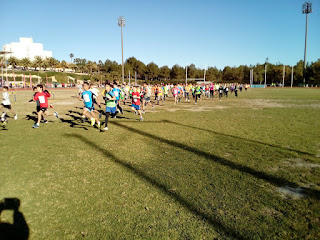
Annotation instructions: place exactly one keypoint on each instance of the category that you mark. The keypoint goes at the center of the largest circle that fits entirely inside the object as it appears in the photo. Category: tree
(71, 56)
(298, 70)
(45, 63)
(99, 66)
(177, 72)
(164, 72)
(38, 61)
(127, 68)
(63, 65)
(81, 63)
(228, 74)
(192, 71)
(213, 74)
(107, 66)
(152, 70)
(73, 66)
(13, 61)
(136, 65)
(115, 67)
(52, 62)
(314, 72)
(25, 63)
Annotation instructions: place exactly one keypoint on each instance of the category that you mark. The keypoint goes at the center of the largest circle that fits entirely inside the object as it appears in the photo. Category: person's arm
(47, 93)
(110, 96)
(80, 97)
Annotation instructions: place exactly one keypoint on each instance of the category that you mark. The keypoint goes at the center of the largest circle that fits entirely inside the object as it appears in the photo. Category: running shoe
(56, 114)
(141, 119)
(45, 121)
(35, 126)
(15, 117)
(105, 129)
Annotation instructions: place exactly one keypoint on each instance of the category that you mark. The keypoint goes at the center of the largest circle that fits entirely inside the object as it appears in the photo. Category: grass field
(245, 168)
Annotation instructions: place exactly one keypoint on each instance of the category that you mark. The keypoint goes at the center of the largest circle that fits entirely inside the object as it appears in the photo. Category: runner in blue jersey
(88, 109)
(116, 90)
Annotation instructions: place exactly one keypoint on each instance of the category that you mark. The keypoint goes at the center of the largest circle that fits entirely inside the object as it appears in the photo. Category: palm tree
(38, 61)
(73, 66)
(71, 56)
(64, 65)
(52, 62)
(46, 63)
(90, 66)
(13, 61)
(25, 62)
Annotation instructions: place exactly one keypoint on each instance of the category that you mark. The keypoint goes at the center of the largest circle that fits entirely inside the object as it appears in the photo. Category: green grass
(212, 170)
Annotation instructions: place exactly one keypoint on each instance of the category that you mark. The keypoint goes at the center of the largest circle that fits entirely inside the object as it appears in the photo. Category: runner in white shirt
(6, 103)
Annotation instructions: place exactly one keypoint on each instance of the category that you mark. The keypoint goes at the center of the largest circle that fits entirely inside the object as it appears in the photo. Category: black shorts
(38, 109)
(43, 109)
(6, 106)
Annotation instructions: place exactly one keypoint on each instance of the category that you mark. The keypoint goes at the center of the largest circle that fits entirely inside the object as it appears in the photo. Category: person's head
(145, 84)
(39, 88)
(86, 86)
(108, 87)
(35, 89)
(5, 89)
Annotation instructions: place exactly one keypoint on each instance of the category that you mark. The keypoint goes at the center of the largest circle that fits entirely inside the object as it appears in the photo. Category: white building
(25, 48)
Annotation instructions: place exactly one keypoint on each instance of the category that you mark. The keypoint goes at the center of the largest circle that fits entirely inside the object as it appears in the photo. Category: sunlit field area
(240, 168)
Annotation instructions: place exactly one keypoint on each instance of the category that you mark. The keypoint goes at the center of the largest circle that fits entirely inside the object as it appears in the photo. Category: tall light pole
(122, 23)
(306, 9)
(265, 72)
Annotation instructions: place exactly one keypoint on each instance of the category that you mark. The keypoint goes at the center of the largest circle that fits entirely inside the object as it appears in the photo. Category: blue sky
(214, 33)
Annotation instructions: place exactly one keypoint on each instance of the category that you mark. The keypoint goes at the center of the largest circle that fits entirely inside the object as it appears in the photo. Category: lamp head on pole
(121, 22)
(307, 8)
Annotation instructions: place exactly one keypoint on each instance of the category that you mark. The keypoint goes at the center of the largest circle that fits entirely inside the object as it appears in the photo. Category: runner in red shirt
(136, 102)
(42, 98)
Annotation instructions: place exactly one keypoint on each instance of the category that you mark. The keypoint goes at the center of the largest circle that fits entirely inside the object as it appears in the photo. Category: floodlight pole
(284, 72)
(7, 81)
(265, 73)
(121, 23)
(291, 76)
(129, 78)
(306, 9)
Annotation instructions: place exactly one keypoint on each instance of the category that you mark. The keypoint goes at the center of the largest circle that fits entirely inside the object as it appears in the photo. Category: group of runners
(116, 95)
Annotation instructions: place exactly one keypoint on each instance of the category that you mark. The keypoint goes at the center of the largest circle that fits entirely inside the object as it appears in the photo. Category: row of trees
(38, 63)
(112, 70)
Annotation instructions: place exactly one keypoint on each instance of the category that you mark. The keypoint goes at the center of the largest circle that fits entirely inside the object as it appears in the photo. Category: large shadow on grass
(18, 230)
(276, 181)
(240, 138)
(75, 122)
(220, 227)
